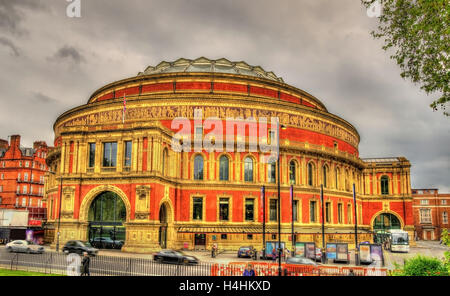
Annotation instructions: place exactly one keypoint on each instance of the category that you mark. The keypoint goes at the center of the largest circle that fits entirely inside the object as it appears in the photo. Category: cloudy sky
(50, 63)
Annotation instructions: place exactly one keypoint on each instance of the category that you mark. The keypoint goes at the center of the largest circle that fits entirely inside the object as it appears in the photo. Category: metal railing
(59, 263)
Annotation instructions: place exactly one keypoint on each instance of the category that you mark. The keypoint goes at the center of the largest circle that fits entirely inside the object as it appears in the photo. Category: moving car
(106, 243)
(300, 261)
(23, 246)
(176, 257)
(79, 247)
(244, 252)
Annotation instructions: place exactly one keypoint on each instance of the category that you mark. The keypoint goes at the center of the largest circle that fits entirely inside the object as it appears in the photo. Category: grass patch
(7, 272)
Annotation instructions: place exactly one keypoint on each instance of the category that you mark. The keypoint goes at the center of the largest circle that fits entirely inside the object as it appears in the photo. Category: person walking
(249, 271)
(274, 254)
(85, 265)
(214, 251)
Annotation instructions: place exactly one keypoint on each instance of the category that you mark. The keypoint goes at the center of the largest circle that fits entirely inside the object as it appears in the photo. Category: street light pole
(323, 223)
(279, 213)
(279, 198)
(59, 213)
(356, 226)
(263, 194)
(292, 219)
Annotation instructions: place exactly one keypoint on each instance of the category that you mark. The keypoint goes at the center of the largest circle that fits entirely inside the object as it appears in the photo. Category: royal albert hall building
(123, 181)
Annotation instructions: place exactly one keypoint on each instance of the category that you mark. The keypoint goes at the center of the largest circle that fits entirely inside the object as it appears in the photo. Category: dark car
(175, 257)
(245, 252)
(106, 243)
(300, 261)
(79, 247)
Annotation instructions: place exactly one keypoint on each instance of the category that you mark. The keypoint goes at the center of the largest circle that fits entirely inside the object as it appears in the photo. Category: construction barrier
(271, 269)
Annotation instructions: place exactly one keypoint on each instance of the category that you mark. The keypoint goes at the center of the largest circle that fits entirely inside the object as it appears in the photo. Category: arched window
(384, 185)
(310, 174)
(271, 172)
(336, 175)
(165, 162)
(248, 169)
(198, 167)
(292, 167)
(325, 175)
(223, 168)
(347, 181)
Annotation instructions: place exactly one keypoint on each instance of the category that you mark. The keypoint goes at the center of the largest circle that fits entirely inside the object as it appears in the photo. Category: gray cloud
(11, 13)
(68, 53)
(9, 44)
(323, 47)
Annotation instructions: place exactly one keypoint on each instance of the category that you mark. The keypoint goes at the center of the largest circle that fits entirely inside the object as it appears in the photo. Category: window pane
(223, 168)
(272, 172)
(273, 210)
(248, 169)
(310, 174)
(292, 172)
(295, 209)
(113, 154)
(91, 155)
(312, 211)
(198, 167)
(197, 211)
(328, 212)
(106, 154)
(223, 209)
(127, 161)
(249, 209)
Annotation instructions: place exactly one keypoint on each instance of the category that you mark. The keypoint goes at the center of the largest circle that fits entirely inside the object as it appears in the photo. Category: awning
(259, 230)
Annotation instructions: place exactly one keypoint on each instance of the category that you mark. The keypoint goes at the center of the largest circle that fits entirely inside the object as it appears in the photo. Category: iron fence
(60, 263)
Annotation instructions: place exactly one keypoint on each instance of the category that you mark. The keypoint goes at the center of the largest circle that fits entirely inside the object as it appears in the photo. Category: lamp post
(59, 210)
(279, 199)
(323, 224)
(356, 226)
(263, 195)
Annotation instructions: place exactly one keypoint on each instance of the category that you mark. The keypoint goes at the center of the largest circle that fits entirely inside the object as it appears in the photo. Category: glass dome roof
(206, 65)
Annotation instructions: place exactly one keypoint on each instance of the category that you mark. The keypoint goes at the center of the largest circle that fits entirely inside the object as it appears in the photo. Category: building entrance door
(200, 240)
(106, 216)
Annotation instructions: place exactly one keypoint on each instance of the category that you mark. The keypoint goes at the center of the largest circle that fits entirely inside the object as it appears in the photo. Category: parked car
(245, 252)
(23, 246)
(79, 247)
(176, 257)
(300, 261)
(106, 243)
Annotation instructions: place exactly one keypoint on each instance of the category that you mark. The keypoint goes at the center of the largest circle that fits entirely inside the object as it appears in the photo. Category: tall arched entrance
(382, 223)
(163, 226)
(106, 215)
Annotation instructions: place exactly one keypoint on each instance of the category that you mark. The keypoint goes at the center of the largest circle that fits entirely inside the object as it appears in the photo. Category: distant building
(22, 173)
(431, 210)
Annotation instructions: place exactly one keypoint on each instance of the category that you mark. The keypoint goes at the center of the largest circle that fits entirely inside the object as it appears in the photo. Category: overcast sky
(50, 63)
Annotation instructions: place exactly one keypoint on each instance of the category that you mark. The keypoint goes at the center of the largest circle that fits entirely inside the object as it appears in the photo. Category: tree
(418, 33)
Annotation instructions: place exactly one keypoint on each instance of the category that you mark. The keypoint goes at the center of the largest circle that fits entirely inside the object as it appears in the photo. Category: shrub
(422, 266)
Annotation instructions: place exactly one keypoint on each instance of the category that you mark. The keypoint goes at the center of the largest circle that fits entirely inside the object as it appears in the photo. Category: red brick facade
(22, 173)
(431, 210)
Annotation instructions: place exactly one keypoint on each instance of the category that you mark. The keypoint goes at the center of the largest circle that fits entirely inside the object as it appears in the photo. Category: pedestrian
(274, 254)
(255, 254)
(85, 264)
(249, 271)
(213, 250)
(351, 273)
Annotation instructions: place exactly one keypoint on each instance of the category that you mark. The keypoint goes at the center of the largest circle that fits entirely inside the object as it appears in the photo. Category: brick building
(22, 173)
(119, 175)
(431, 210)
